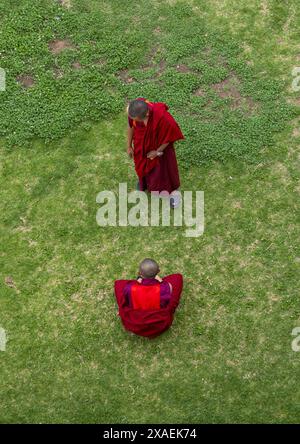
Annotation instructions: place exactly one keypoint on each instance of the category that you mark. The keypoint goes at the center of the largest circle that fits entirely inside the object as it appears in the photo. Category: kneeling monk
(153, 132)
(147, 304)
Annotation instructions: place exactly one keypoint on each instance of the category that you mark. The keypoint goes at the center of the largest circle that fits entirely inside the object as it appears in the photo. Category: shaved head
(137, 108)
(149, 268)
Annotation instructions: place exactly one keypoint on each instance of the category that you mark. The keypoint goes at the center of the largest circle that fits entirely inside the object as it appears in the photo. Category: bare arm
(129, 140)
(129, 136)
(162, 147)
(159, 152)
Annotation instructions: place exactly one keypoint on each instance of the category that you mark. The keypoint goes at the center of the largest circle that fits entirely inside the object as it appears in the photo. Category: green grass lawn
(224, 68)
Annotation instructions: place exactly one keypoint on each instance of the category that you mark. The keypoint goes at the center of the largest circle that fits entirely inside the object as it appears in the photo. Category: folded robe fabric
(148, 323)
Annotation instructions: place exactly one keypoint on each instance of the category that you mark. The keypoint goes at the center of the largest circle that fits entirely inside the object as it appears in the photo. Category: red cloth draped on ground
(160, 173)
(149, 323)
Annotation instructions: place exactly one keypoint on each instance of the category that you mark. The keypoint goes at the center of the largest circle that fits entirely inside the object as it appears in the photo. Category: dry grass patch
(296, 132)
(58, 73)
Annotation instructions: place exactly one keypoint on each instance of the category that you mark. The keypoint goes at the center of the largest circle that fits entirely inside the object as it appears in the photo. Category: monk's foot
(175, 199)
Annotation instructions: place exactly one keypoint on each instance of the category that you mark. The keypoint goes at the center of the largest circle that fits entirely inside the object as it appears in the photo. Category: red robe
(160, 173)
(152, 322)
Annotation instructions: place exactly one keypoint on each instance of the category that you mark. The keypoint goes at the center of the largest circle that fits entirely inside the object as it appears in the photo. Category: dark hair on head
(149, 268)
(137, 108)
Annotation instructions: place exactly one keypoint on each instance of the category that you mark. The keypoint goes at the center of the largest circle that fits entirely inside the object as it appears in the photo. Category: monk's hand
(152, 154)
(130, 151)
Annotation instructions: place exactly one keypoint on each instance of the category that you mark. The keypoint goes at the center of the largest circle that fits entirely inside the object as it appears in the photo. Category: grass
(228, 356)
(73, 71)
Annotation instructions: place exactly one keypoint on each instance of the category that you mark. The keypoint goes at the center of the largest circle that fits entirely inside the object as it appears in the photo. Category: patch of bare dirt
(296, 132)
(229, 88)
(152, 62)
(57, 46)
(76, 65)
(26, 81)
(125, 76)
(9, 282)
(199, 93)
(161, 66)
(294, 101)
(273, 297)
(183, 68)
(66, 3)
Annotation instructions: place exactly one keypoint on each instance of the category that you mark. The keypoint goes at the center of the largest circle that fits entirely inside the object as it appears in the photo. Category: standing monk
(153, 132)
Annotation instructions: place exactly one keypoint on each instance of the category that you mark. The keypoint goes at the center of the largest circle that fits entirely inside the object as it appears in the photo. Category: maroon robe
(160, 173)
(152, 292)
(150, 322)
